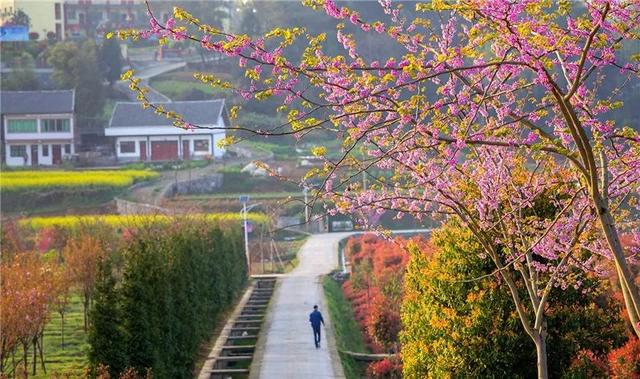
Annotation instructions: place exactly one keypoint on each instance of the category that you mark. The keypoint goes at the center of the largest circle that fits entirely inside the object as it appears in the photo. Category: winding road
(286, 350)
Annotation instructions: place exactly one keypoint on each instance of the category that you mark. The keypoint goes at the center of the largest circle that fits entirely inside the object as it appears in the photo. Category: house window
(18, 151)
(127, 147)
(45, 150)
(201, 145)
(55, 125)
(57, 10)
(22, 126)
(67, 149)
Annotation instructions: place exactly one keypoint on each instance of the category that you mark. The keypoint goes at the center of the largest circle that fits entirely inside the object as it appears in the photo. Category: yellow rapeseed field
(132, 220)
(41, 180)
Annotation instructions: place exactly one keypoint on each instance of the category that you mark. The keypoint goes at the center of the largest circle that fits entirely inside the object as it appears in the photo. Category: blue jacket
(315, 318)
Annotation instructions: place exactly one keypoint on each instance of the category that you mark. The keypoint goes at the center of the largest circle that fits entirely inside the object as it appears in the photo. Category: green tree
(106, 336)
(23, 76)
(19, 18)
(454, 326)
(76, 67)
(110, 60)
(141, 272)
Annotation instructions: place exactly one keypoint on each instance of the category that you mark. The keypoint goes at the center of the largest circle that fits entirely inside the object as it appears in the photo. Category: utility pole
(306, 207)
(244, 199)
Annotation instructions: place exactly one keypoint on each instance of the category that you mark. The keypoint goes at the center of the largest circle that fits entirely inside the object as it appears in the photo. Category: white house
(37, 127)
(142, 135)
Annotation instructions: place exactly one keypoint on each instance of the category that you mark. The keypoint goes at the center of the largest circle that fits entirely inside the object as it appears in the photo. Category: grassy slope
(175, 88)
(348, 335)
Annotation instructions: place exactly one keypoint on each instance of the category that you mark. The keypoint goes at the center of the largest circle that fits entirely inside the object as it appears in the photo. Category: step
(244, 328)
(238, 347)
(252, 336)
(222, 371)
(234, 358)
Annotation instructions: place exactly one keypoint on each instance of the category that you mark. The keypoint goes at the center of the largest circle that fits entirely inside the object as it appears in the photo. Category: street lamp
(244, 199)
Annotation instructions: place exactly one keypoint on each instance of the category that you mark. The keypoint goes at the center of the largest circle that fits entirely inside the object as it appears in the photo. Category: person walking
(315, 318)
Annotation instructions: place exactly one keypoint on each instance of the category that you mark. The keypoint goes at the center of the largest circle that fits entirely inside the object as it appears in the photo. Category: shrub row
(161, 305)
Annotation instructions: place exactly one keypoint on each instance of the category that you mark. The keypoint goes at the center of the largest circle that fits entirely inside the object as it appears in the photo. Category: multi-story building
(76, 18)
(37, 135)
(87, 18)
(46, 17)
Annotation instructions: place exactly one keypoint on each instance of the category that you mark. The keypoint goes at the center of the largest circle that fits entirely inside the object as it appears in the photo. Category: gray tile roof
(204, 112)
(30, 102)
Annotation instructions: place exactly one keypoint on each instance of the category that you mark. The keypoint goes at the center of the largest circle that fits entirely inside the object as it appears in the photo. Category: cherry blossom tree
(493, 106)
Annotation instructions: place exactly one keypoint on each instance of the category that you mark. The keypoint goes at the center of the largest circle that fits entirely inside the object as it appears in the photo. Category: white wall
(38, 135)
(131, 156)
(42, 160)
(217, 151)
(213, 150)
(164, 131)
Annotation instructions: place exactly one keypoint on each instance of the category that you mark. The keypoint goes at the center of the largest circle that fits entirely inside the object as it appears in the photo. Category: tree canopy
(483, 108)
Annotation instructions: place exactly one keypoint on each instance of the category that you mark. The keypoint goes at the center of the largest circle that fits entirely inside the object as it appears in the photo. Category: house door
(185, 150)
(56, 154)
(164, 150)
(143, 151)
(34, 155)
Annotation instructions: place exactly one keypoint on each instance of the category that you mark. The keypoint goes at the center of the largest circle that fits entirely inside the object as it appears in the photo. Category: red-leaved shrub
(624, 362)
(587, 365)
(375, 292)
(386, 368)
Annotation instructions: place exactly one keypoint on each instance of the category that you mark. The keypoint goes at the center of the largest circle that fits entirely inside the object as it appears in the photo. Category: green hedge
(175, 281)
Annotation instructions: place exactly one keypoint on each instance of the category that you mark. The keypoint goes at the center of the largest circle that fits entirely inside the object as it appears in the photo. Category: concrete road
(286, 349)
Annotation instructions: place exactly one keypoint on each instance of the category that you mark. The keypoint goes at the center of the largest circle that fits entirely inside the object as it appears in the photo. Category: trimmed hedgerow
(174, 282)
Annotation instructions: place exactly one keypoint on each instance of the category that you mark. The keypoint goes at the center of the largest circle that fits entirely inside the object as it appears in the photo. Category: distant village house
(38, 127)
(142, 135)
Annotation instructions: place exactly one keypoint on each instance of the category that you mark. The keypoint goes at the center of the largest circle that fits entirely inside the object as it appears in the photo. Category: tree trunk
(13, 363)
(3, 352)
(35, 355)
(62, 329)
(541, 356)
(625, 276)
(85, 313)
(41, 349)
(25, 355)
